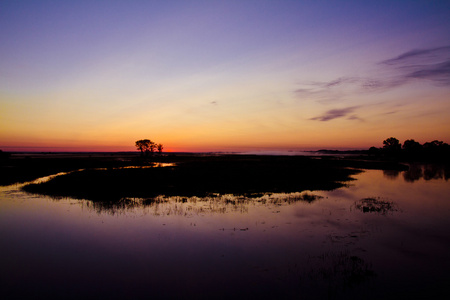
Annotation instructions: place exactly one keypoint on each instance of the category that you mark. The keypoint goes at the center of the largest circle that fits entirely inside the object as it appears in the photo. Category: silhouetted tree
(411, 145)
(435, 145)
(411, 148)
(391, 144)
(437, 149)
(148, 147)
(143, 145)
(160, 148)
(152, 147)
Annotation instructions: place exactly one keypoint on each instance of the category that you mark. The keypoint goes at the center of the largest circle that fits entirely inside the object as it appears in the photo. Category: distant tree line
(148, 147)
(434, 150)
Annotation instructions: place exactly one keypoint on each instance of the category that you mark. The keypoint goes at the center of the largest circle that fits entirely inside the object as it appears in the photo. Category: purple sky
(223, 75)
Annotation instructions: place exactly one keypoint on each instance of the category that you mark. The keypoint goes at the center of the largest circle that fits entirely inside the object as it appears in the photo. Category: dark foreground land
(105, 177)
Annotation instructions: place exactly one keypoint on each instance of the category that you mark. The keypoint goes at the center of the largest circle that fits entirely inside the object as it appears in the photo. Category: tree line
(412, 149)
(148, 147)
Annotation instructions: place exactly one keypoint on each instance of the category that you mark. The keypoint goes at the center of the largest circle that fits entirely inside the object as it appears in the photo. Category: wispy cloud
(431, 64)
(426, 64)
(419, 55)
(338, 113)
(439, 73)
(328, 91)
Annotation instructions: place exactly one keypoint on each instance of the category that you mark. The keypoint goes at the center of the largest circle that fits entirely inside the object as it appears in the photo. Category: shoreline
(110, 178)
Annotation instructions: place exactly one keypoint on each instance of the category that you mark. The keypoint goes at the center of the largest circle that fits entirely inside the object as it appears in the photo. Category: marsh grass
(193, 206)
(375, 205)
(199, 177)
(205, 175)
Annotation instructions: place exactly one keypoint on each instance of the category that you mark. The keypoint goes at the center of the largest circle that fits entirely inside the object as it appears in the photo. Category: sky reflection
(225, 246)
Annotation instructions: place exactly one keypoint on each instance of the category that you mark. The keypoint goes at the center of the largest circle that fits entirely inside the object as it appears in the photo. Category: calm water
(387, 235)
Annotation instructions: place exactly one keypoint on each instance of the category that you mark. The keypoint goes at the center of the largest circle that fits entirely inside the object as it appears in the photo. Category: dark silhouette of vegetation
(392, 146)
(202, 175)
(143, 146)
(22, 167)
(412, 150)
(160, 148)
(374, 205)
(411, 146)
(191, 206)
(147, 147)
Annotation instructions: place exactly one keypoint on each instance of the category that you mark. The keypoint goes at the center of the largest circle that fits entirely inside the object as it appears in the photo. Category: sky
(222, 75)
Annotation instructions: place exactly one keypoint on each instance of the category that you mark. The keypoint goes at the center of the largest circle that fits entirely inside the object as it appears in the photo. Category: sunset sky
(222, 75)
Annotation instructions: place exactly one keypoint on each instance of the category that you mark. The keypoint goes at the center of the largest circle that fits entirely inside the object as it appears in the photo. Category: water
(387, 235)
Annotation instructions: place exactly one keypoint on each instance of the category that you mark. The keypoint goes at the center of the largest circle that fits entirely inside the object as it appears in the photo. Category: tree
(391, 144)
(411, 147)
(152, 147)
(143, 145)
(436, 149)
(160, 148)
(148, 147)
(391, 147)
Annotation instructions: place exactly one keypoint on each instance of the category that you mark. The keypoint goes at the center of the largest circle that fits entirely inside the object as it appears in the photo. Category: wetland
(224, 226)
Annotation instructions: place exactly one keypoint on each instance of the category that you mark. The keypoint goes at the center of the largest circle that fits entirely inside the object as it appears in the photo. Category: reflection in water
(153, 165)
(417, 171)
(373, 205)
(414, 173)
(191, 206)
(391, 174)
(377, 238)
(339, 271)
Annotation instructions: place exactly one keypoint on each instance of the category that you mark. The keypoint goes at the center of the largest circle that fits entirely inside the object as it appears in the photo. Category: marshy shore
(108, 176)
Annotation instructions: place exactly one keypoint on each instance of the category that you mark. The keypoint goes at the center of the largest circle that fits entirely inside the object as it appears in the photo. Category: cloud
(431, 64)
(439, 73)
(328, 91)
(337, 82)
(419, 55)
(338, 113)
(355, 117)
(339, 89)
(426, 64)
(318, 86)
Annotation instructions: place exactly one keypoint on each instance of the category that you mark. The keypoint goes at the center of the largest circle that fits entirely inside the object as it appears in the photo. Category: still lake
(386, 235)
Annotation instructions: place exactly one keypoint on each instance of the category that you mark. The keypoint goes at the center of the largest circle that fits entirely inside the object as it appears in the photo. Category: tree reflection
(414, 173)
(391, 174)
(426, 171)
